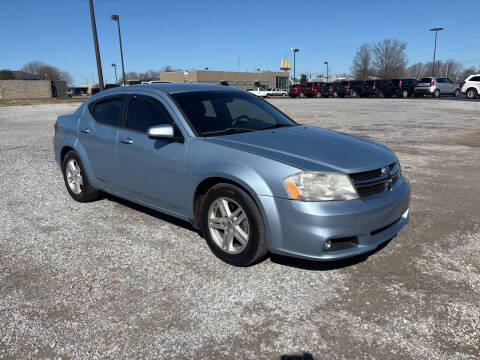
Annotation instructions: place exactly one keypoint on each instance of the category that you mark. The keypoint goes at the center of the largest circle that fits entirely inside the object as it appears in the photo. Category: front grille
(374, 182)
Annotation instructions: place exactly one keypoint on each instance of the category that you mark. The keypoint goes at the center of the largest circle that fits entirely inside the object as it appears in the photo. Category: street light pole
(117, 19)
(294, 69)
(326, 63)
(436, 29)
(115, 67)
(97, 50)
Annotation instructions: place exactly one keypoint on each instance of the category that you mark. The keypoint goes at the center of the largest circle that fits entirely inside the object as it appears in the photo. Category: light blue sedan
(251, 178)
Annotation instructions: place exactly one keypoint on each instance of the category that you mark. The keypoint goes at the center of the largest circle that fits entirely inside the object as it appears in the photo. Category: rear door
(450, 85)
(152, 170)
(97, 133)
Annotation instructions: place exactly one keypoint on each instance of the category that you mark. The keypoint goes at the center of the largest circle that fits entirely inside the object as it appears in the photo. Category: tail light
(331, 88)
(347, 86)
(55, 127)
(400, 83)
(374, 87)
(432, 83)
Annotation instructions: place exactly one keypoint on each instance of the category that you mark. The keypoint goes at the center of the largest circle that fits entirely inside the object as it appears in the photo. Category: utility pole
(238, 64)
(97, 50)
(326, 63)
(436, 29)
(117, 19)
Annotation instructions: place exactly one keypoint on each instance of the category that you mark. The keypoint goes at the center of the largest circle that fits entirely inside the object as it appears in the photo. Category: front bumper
(300, 229)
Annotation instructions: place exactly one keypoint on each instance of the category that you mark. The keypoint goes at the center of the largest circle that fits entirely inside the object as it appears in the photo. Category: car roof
(170, 88)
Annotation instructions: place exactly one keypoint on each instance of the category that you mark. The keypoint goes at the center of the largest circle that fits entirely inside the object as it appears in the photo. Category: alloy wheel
(228, 225)
(74, 176)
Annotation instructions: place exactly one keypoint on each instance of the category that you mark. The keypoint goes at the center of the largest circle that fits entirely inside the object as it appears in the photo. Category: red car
(296, 90)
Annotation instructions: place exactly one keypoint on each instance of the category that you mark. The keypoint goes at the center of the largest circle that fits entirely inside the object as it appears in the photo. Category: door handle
(126, 141)
(85, 130)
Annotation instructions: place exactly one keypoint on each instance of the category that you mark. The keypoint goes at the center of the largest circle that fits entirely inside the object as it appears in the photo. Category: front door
(152, 170)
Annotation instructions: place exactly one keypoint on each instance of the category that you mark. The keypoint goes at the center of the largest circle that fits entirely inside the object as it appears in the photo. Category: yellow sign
(285, 65)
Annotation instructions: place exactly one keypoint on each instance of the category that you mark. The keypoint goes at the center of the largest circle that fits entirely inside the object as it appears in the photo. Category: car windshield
(222, 112)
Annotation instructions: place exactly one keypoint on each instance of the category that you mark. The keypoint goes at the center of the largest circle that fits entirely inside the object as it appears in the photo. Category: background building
(241, 80)
(32, 89)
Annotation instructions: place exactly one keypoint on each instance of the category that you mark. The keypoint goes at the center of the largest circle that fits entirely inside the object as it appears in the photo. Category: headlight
(320, 186)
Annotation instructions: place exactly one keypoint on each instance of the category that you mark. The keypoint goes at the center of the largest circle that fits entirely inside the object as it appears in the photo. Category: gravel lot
(111, 279)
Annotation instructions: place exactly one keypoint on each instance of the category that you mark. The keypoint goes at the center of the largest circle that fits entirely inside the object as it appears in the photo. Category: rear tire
(354, 93)
(405, 93)
(380, 94)
(318, 95)
(436, 93)
(471, 93)
(237, 254)
(302, 95)
(76, 179)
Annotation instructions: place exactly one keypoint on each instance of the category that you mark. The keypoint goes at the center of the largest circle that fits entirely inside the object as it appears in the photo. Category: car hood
(311, 148)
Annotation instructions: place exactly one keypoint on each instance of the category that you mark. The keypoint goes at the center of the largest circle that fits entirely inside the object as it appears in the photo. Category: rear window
(109, 112)
(425, 80)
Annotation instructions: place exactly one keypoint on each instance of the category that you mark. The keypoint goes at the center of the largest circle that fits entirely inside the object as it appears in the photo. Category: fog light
(327, 245)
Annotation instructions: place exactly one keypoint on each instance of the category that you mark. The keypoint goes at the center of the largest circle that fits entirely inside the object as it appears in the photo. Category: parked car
(259, 91)
(436, 86)
(313, 89)
(353, 88)
(328, 90)
(245, 174)
(471, 86)
(277, 92)
(296, 90)
(401, 87)
(378, 88)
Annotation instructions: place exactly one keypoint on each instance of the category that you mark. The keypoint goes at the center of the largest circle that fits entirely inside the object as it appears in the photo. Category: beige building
(32, 89)
(241, 80)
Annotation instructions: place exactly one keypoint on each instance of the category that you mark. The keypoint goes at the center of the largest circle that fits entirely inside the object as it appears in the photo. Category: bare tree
(389, 58)
(470, 71)
(416, 70)
(47, 72)
(362, 62)
(32, 67)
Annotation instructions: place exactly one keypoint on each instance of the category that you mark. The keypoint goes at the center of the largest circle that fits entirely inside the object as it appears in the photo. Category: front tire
(302, 95)
(318, 95)
(233, 226)
(456, 93)
(76, 179)
(405, 93)
(380, 94)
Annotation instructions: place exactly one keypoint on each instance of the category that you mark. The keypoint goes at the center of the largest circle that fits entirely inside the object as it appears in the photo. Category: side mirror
(160, 131)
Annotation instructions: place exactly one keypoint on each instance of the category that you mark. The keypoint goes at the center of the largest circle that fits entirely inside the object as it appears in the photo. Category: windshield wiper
(276, 126)
(227, 131)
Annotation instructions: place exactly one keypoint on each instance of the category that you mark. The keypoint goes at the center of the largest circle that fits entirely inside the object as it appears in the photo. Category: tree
(416, 70)
(303, 79)
(6, 74)
(361, 67)
(467, 72)
(389, 58)
(47, 72)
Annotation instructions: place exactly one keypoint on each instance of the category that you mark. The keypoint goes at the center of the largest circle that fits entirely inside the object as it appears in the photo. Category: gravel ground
(111, 279)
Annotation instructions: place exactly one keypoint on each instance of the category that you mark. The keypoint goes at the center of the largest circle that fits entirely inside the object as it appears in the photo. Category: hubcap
(74, 176)
(228, 225)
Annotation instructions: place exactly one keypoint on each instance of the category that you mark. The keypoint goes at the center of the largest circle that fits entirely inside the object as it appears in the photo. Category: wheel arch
(209, 182)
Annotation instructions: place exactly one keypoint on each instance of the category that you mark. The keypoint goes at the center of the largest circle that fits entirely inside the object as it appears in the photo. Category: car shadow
(154, 213)
(324, 265)
(304, 356)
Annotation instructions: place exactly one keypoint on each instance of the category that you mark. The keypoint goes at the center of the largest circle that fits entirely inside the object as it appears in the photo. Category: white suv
(471, 86)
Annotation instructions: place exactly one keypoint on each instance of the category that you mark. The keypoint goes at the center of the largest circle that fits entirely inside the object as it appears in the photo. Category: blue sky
(197, 34)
